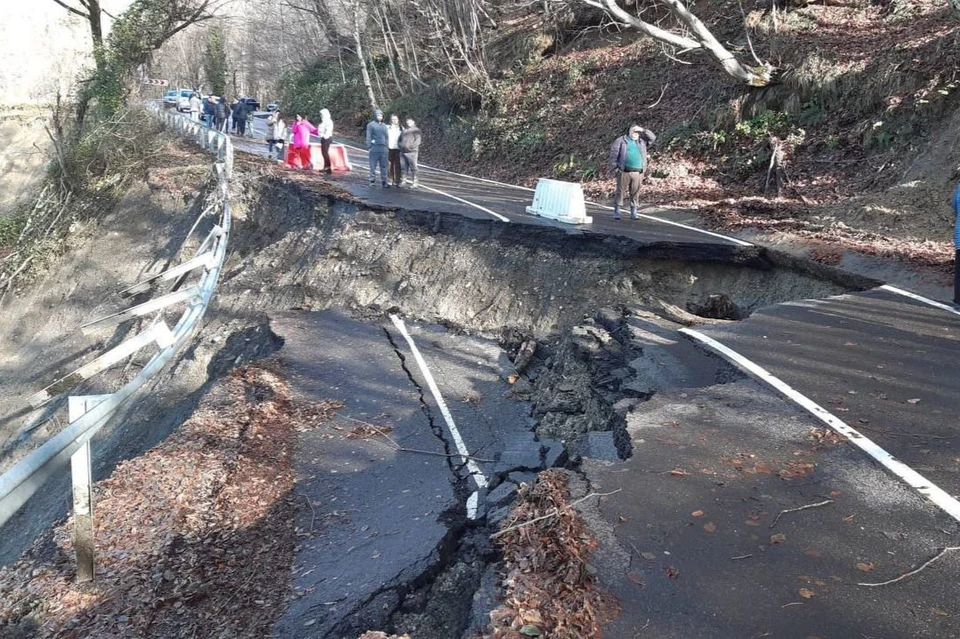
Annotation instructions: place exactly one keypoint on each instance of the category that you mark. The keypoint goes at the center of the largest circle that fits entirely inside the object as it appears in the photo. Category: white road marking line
(467, 202)
(472, 466)
(678, 224)
(909, 476)
(920, 298)
(452, 197)
(653, 218)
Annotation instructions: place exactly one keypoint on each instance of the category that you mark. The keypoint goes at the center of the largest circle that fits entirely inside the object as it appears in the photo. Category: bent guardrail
(88, 414)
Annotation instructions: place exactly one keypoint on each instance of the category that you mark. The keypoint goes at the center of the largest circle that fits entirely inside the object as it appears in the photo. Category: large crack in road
(612, 392)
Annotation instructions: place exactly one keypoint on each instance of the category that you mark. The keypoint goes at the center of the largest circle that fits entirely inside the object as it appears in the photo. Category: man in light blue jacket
(377, 145)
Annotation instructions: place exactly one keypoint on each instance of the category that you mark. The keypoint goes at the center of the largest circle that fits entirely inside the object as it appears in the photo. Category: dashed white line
(908, 475)
(921, 298)
(475, 472)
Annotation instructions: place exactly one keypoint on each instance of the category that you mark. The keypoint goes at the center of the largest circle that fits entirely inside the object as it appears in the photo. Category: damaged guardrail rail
(88, 414)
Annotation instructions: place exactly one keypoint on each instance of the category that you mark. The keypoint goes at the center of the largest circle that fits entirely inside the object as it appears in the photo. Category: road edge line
(909, 476)
(597, 204)
(919, 298)
(475, 472)
(500, 217)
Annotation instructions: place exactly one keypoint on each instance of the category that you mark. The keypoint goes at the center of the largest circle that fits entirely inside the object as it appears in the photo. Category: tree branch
(663, 35)
(74, 10)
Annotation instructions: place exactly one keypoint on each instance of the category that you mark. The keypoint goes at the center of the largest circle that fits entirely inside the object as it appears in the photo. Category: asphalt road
(701, 557)
(885, 364)
(380, 518)
(446, 192)
(693, 541)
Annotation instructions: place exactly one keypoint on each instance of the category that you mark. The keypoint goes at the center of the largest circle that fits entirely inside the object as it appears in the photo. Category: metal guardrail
(88, 414)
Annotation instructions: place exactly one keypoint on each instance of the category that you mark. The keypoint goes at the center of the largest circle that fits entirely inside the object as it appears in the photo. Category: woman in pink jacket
(301, 131)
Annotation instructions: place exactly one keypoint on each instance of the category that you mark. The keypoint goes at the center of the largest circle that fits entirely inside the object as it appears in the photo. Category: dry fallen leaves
(194, 538)
(864, 566)
(779, 538)
(546, 570)
(806, 593)
(710, 527)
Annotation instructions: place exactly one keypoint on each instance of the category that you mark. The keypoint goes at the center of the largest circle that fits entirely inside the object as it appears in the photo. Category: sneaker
(415, 184)
(373, 182)
(385, 185)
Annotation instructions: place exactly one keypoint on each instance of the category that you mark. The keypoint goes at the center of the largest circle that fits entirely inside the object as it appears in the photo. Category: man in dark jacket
(377, 148)
(240, 113)
(410, 141)
(628, 157)
(209, 110)
(220, 117)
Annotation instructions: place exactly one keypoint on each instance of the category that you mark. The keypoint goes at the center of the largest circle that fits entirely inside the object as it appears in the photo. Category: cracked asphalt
(381, 520)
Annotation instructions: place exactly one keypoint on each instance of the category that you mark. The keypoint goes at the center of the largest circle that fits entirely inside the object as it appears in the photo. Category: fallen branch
(741, 557)
(313, 519)
(912, 572)
(796, 510)
(554, 513)
(404, 449)
(662, 92)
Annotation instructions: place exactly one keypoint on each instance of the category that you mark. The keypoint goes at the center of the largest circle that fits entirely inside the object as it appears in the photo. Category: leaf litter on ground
(546, 582)
(193, 538)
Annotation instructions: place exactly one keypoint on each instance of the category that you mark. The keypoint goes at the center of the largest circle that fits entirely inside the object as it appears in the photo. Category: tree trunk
(758, 76)
(96, 34)
(382, 20)
(364, 72)
(755, 76)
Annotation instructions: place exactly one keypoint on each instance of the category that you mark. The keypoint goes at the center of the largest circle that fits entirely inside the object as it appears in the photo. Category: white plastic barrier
(561, 201)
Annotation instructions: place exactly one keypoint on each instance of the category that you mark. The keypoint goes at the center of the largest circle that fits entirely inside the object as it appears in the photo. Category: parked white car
(183, 99)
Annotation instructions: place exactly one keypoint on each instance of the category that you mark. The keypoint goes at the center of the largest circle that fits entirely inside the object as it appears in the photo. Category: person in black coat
(220, 117)
(240, 113)
(209, 110)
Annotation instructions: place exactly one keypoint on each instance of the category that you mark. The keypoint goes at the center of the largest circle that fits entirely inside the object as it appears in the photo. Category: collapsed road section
(537, 349)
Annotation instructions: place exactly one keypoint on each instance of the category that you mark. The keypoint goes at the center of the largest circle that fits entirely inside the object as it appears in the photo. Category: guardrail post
(82, 473)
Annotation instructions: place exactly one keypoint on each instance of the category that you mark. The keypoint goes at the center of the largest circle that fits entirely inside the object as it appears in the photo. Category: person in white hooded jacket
(325, 131)
(276, 134)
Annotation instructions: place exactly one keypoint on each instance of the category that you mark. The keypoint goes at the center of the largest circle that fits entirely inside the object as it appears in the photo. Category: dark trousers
(325, 152)
(628, 185)
(241, 126)
(394, 171)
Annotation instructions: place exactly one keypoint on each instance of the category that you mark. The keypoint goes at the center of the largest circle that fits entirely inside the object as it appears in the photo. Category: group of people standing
(217, 115)
(394, 149)
(299, 134)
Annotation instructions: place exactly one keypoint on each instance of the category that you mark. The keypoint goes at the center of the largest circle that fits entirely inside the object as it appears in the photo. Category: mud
(300, 248)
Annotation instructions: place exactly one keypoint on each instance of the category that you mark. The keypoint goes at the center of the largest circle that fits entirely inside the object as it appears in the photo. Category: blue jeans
(378, 157)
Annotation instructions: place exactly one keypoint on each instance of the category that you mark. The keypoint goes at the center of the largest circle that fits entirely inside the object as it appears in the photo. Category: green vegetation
(215, 60)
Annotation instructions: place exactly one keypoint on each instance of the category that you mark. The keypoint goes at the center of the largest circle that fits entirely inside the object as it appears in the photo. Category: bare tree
(90, 11)
(358, 43)
(700, 38)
